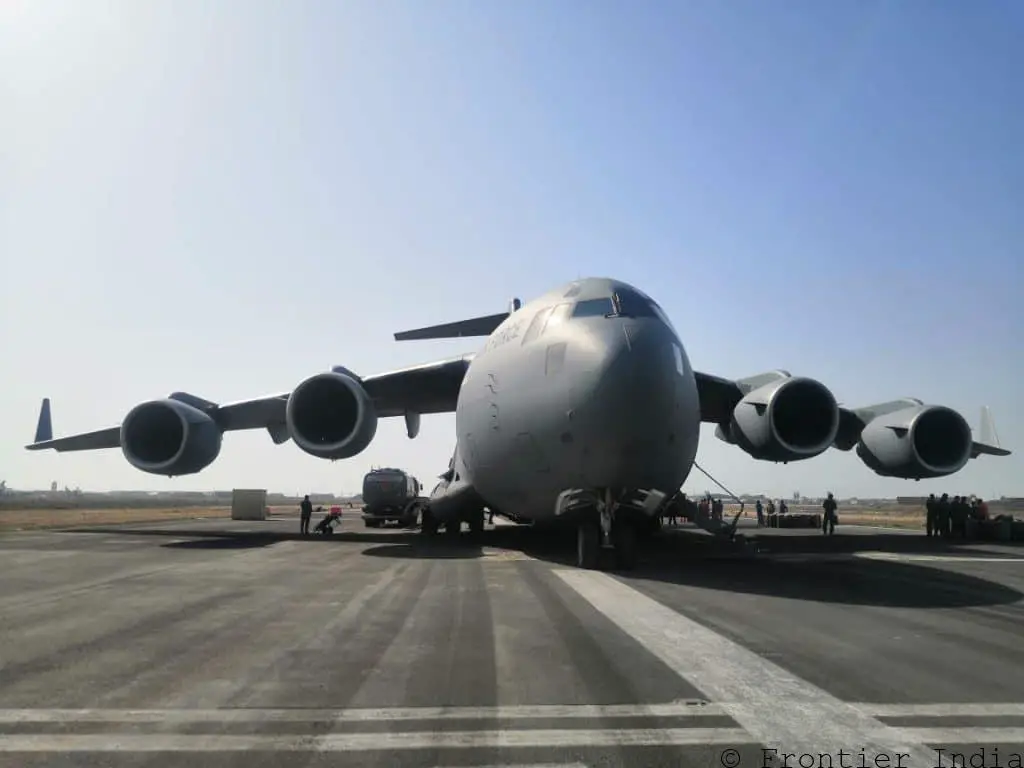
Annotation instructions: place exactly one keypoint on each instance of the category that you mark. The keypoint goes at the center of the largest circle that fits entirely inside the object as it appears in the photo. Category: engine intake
(923, 441)
(786, 420)
(331, 416)
(168, 437)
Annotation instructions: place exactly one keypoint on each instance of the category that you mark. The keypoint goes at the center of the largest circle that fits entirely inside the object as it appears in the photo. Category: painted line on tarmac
(367, 742)
(908, 557)
(397, 714)
(774, 706)
(902, 738)
(692, 708)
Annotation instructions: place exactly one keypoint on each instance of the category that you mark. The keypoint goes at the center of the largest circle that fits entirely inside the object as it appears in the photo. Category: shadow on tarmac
(685, 558)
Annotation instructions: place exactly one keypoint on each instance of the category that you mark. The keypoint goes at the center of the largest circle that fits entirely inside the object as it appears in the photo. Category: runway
(206, 643)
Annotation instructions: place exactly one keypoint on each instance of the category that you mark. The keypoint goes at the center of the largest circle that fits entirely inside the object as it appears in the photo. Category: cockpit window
(631, 304)
(593, 308)
(661, 314)
(536, 325)
(558, 316)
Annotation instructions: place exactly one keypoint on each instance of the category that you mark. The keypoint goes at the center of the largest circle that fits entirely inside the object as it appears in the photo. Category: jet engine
(785, 420)
(168, 437)
(331, 416)
(922, 441)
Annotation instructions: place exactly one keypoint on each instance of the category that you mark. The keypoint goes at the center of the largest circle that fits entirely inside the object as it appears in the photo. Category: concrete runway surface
(221, 643)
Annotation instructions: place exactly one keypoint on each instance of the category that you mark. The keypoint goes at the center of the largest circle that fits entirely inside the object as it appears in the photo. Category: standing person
(931, 522)
(828, 521)
(305, 513)
(942, 508)
(759, 508)
(960, 511)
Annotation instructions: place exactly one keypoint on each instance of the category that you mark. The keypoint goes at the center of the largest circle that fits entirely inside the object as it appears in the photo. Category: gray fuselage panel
(564, 396)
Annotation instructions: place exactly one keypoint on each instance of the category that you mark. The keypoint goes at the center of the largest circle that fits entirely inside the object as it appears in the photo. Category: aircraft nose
(640, 408)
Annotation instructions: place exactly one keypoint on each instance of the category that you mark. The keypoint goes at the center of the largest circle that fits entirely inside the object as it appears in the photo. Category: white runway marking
(696, 708)
(364, 742)
(994, 709)
(895, 556)
(504, 739)
(398, 714)
(775, 707)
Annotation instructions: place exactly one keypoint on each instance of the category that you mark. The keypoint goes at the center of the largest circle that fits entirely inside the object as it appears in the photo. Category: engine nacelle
(919, 442)
(785, 420)
(168, 437)
(331, 416)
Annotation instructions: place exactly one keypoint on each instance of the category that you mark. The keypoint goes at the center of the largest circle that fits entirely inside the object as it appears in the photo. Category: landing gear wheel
(429, 523)
(624, 539)
(453, 528)
(476, 523)
(588, 545)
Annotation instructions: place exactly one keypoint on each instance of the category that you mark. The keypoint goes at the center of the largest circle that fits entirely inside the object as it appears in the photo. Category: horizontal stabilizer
(476, 326)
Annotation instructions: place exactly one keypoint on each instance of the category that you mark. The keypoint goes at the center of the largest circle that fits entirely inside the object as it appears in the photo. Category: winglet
(988, 428)
(988, 442)
(44, 427)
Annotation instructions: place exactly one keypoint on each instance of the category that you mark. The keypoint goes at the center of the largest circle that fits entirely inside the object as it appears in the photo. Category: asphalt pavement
(225, 643)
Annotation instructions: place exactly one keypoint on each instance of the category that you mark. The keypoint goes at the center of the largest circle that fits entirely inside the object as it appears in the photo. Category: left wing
(427, 388)
(778, 417)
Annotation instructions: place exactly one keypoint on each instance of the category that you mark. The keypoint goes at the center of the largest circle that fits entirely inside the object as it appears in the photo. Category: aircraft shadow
(867, 582)
(234, 539)
(682, 558)
(697, 560)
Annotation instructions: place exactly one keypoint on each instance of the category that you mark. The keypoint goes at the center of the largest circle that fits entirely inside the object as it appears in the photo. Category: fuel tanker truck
(391, 496)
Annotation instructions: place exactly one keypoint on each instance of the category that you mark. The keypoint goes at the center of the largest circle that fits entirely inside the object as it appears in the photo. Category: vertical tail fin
(44, 427)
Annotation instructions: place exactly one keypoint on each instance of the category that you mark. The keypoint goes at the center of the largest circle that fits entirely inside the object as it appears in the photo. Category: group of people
(946, 518)
(828, 518)
(681, 506)
(765, 510)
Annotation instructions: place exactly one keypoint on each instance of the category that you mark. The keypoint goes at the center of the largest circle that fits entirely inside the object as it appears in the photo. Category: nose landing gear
(609, 521)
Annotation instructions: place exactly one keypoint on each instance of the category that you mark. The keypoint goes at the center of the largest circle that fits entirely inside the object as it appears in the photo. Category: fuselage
(587, 386)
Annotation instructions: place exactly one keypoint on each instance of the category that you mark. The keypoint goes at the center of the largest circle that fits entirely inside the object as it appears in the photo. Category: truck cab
(391, 496)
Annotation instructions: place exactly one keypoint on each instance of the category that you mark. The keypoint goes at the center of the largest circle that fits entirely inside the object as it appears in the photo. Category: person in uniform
(828, 520)
(931, 516)
(960, 511)
(305, 513)
(943, 515)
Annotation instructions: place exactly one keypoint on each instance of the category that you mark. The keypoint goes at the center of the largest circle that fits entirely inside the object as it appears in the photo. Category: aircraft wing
(719, 397)
(427, 388)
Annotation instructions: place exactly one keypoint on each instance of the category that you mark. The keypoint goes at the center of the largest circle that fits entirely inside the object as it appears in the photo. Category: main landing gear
(431, 524)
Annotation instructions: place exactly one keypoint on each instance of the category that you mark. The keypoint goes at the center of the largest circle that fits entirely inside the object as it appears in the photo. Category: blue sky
(225, 198)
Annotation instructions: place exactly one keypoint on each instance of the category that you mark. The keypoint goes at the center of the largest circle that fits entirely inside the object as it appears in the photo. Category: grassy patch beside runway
(36, 519)
(40, 519)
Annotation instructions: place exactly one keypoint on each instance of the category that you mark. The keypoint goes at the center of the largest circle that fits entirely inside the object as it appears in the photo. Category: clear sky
(225, 198)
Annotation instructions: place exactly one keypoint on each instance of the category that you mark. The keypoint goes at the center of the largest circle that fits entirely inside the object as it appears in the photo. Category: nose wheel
(603, 530)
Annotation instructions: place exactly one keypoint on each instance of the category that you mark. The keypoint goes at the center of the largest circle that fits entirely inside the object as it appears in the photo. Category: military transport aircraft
(581, 407)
